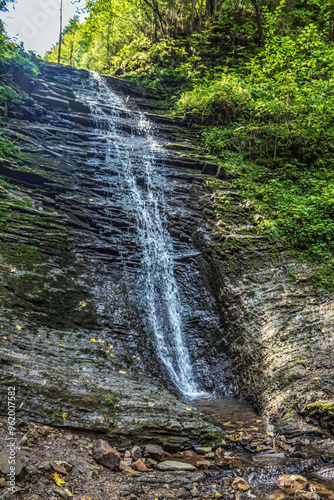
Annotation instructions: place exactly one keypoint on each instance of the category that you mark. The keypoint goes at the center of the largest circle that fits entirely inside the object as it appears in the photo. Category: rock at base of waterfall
(105, 455)
(239, 484)
(290, 484)
(306, 495)
(136, 453)
(153, 451)
(151, 463)
(204, 464)
(200, 450)
(170, 465)
(129, 472)
(139, 466)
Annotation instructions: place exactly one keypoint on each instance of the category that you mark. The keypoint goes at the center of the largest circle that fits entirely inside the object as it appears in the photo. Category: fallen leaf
(5, 338)
(189, 409)
(113, 355)
(316, 378)
(218, 494)
(111, 346)
(19, 327)
(83, 303)
(61, 345)
(122, 371)
(55, 213)
(323, 330)
(58, 479)
(100, 341)
(13, 270)
(64, 415)
(93, 340)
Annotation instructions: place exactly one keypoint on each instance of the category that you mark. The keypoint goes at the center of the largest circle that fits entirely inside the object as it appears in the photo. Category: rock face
(277, 324)
(255, 324)
(75, 291)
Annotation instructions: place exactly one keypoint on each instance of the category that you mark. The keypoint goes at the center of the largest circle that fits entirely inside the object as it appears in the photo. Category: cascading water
(142, 186)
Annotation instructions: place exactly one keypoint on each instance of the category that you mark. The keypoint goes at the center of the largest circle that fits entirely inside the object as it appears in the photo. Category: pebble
(194, 492)
(2, 482)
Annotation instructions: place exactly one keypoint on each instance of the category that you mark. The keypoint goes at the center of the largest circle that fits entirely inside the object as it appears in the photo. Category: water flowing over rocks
(78, 343)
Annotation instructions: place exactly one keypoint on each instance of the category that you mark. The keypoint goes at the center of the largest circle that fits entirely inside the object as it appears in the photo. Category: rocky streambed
(76, 342)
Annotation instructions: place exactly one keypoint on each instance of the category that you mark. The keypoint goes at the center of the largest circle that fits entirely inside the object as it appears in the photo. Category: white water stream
(142, 190)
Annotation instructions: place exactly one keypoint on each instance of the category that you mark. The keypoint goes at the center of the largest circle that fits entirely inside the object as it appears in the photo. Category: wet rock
(306, 495)
(204, 464)
(136, 453)
(170, 465)
(105, 455)
(151, 463)
(244, 441)
(5, 467)
(140, 466)
(155, 452)
(290, 484)
(327, 473)
(210, 455)
(203, 451)
(239, 484)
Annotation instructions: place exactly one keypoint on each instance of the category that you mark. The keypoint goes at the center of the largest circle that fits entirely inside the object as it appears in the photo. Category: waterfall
(142, 186)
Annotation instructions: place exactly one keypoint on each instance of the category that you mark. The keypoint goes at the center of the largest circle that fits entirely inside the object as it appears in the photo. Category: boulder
(140, 466)
(105, 455)
(202, 450)
(151, 464)
(136, 453)
(170, 465)
(290, 484)
(153, 451)
(129, 472)
(239, 484)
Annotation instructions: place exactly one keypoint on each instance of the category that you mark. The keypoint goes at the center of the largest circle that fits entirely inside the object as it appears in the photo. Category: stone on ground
(170, 465)
(105, 455)
(153, 451)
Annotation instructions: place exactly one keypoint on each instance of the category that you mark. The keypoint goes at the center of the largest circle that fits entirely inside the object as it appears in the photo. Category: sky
(36, 22)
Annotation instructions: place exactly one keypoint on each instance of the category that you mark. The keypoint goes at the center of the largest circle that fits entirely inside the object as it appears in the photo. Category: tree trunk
(60, 31)
(258, 14)
(192, 16)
